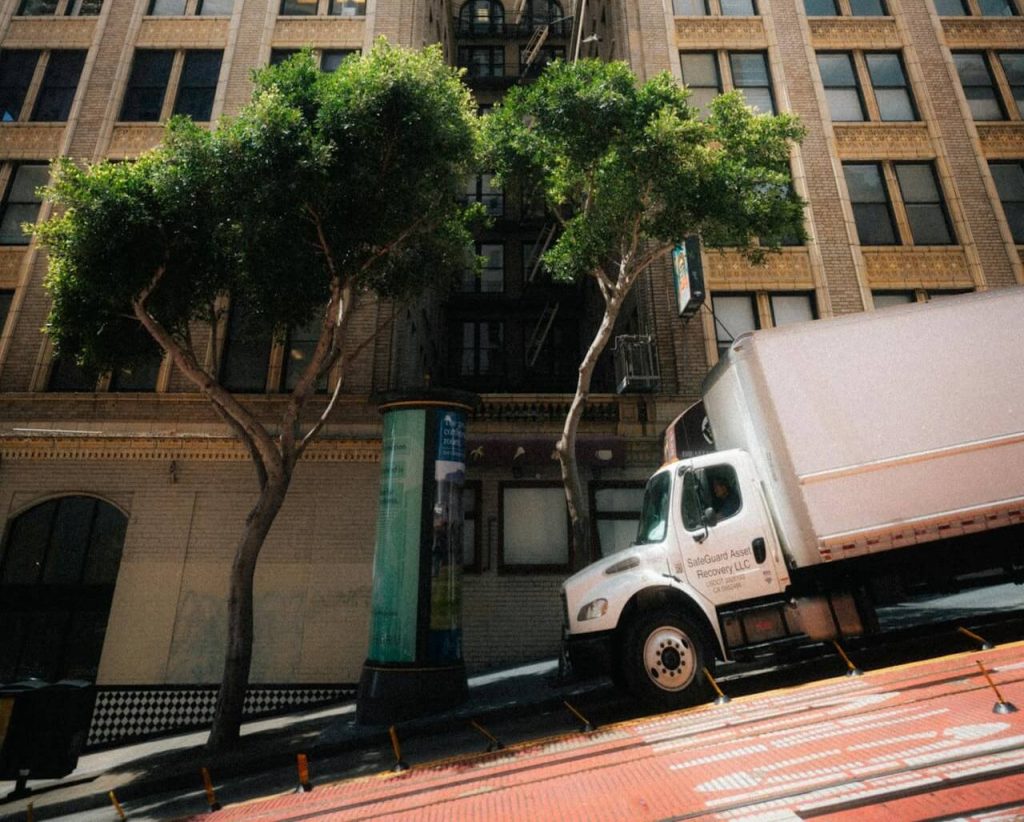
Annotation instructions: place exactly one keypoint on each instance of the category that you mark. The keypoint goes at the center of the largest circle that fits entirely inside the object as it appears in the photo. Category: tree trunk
(227, 718)
(579, 509)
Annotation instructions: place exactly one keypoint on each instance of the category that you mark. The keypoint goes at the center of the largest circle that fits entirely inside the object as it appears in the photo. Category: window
(16, 70)
(616, 515)
(841, 88)
(654, 511)
(950, 8)
(481, 351)
(1009, 180)
(867, 8)
(482, 189)
(215, 8)
(886, 299)
(22, 202)
(878, 214)
(143, 375)
(821, 8)
(198, 84)
(734, 314)
(330, 60)
(702, 8)
(299, 347)
(983, 98)
(67, 376)
(147, 85)
(1013, 67)
(534, 527)
(996, 8)
(491, 279)
(38, 8)
(750, 75)
(298, 8)
(700, 74)
(84, 8)
(482, 61)
(246, 357)
(872, 210)
(347, 8)
(481, 17)
(862, 86)
(58, 568)
(471, 558)
(278, 56)
(60, 81)
(6, 298)
(845, 8)
(791, 308)
(926, 211)
(167, 8)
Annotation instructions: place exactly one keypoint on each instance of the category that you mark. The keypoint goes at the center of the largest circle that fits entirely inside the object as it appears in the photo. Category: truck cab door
(727, 546)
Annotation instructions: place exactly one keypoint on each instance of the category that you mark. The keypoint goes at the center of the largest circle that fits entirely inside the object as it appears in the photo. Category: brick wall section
(952, 122)
(829, 227)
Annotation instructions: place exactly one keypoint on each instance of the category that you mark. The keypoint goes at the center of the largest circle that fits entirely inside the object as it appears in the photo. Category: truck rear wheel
(664, 657)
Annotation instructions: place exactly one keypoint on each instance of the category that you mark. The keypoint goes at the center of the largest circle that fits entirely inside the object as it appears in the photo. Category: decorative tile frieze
(30, 141)
(870, 141)
(984, 32)
(319, 32)
(72, 446)
(720, 32)
(50, 33)
(904, 268)
(854, 32)
(789, 269)
(131, 139)
(1002, 140)
(176, 32)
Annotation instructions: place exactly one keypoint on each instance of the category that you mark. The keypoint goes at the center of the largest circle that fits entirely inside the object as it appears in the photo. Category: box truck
(856, 460)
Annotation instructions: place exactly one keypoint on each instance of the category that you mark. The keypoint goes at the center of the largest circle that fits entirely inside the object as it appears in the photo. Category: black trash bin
(43, 728)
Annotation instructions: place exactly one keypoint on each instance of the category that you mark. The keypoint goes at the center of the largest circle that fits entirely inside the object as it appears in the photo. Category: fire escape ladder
(542, 245)
(533, 46)
(540, 333)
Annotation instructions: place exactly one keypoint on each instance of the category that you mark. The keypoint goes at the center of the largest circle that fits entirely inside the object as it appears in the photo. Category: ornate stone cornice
(194, 32)
(902, 268)
(148, 449)
(319, 32)
(720, 32)
(789, 269)
(869, 141)
(854, 32)
(1002, 140)
(50, 32)
(30, 141)
(984, 32)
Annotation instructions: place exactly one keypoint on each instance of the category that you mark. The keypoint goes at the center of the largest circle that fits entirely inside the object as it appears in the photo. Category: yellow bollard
(303, 764)
(117, 806)
(1001, 706)
(494, 744)
(399, 763)
(587, 726)
(721, 699)
(211, 797)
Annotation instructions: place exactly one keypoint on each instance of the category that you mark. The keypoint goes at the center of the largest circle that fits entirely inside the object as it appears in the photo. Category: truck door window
(654, 514)
(694, 501)
(715, 489)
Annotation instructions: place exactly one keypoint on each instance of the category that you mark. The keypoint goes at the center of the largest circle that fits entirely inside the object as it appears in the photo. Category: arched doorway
(58, 566)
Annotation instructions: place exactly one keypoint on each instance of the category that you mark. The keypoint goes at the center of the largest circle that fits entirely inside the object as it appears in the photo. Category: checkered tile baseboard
(126, 714)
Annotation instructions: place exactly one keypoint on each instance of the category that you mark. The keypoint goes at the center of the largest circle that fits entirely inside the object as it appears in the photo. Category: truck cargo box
(881, 429)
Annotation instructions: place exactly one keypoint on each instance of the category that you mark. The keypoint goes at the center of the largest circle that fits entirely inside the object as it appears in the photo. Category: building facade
(122, 495)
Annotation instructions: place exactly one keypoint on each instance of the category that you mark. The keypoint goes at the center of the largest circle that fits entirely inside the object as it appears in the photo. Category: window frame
(866, 87)
(722, 62)
(998, 85)
(11, 170)
(42, 89)
(208, 89)
(512, 568)
(610, 516)
(716, 8)
(845, 8)
(1018, 238)
(763, 309)
(62, 8)
(27, 80)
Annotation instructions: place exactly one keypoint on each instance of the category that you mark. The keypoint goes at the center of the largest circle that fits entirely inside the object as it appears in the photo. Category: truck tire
(663, 661)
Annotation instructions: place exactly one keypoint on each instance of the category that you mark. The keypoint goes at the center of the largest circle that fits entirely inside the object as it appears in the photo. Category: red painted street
(919, 741)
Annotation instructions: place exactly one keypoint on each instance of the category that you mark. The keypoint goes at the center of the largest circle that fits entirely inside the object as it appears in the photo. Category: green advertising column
(414, 665)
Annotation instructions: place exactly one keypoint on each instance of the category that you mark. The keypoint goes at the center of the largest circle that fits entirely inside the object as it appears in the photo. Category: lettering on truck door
(725, 541)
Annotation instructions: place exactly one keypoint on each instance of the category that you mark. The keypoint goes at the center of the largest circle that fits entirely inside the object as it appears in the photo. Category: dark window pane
(6, 298)
(330, 60)
(890, 84)
(1013, 65)
(841, 90)
(874, 224)
(105, 546)
(821, 8)
(979, 88)
(951, 8)
(37, 8)
(750, 74)
(923, 200)
(141, 375)
(299, 348)
(867, 8)
(22, 202)
(16, 68)
(69, 541)
(147, 85)
(198, 84)
(66, 375)
(216, 8)
(59, 85)
(738, 8)
(689, 8)
(302, 8)
(84, 8)
(348, 8)
(167, 8)
(246, 357)
(865, 183)
(27, 542)
(996, 8)
(1009, 180)
(870, 200)
(280, 55)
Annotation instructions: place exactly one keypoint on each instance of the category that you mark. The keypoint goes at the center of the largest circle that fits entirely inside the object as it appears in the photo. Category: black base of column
(393, 692)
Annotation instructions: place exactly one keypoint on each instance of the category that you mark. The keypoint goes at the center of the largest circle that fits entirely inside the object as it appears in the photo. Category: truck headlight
(593, 610)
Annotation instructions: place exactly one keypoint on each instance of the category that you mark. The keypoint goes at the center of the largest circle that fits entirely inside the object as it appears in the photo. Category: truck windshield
(654, 514)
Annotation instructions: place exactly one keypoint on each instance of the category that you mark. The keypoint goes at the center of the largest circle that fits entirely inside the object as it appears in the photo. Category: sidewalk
(172, 763)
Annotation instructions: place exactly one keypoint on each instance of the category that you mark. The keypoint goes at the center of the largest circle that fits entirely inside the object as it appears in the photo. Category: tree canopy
(629, 170)
(325, 188)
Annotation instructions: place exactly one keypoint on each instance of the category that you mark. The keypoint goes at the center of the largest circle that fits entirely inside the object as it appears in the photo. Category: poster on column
(445, 637)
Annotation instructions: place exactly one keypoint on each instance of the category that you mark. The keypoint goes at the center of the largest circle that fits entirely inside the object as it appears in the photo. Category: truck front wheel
(664, 657)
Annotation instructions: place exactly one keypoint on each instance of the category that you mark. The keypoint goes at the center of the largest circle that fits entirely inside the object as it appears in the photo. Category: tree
(325, 188)
(629, 170)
